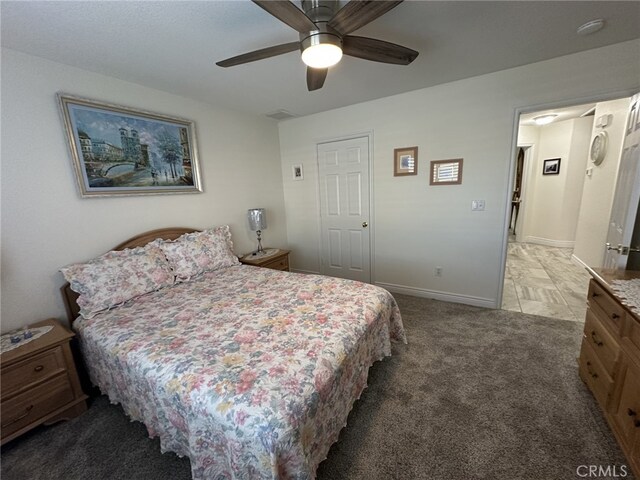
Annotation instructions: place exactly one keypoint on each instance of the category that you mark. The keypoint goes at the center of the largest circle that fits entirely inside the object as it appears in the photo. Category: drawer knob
(27, 411)
(594, 295)
(615, 315)
(38, 368)
(593, 375)
(636, 423)
(594, 337)
(631, 413)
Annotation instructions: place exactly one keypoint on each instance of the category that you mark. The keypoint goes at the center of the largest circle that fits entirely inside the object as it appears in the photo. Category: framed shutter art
(446, 172)
(119, 150)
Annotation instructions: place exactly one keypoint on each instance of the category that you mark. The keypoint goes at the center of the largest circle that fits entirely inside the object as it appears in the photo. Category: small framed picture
(297, 172)
(446, 172)
(551, 166)
(405, 161)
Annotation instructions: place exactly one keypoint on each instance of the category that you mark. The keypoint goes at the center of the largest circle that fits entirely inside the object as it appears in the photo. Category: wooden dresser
(609, 361)
(39, 383)
(277, 261)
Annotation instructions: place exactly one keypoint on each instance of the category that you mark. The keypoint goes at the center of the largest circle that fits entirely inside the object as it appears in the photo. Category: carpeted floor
(477, 394)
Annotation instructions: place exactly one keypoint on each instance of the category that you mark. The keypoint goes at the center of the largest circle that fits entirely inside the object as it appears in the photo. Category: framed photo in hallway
(119, 150)
(551, 166)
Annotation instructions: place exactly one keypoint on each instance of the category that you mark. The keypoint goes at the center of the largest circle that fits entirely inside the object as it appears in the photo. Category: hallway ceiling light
(590, 27)
(544, 119)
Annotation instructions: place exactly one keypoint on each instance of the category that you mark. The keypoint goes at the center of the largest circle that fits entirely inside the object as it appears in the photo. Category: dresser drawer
(33, 404)
(601, 341)
(633, 331)
(23, 375)
(278, 264)
(594, 374)
(601, 301)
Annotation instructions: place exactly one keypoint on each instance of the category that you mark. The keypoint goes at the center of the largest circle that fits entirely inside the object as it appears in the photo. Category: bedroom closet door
(343, 168)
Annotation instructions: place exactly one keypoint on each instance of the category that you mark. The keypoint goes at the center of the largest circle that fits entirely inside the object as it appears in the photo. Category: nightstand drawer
(601, 341)
(601, 300)
(21, 375)
(594, 375)
(29, 406)
(278, 264)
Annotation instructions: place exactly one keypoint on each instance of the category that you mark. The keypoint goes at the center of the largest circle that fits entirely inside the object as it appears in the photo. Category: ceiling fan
(324, 35)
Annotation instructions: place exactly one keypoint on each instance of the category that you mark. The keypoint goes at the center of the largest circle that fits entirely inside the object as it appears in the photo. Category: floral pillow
(199, 252)
(118, 276)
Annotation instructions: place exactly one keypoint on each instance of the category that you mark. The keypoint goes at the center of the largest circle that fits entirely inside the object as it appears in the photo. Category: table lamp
(257, 222)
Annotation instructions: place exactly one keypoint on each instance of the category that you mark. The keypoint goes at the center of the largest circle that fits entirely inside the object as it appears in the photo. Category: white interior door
(627, 195)
(343, 168)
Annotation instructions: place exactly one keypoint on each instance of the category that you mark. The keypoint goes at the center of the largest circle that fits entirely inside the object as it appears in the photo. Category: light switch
(477, 205)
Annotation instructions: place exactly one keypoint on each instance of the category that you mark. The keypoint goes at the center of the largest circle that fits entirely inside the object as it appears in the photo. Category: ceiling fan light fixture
(321, 50)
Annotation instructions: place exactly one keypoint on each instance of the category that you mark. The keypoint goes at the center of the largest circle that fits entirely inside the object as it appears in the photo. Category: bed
(250, 372)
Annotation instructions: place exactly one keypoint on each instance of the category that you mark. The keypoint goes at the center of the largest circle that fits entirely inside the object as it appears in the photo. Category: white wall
(599, 188)
(553, 201)
(46, 224)
(417, 227)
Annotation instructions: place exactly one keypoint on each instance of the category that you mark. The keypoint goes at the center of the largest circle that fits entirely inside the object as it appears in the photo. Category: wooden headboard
(70, 297)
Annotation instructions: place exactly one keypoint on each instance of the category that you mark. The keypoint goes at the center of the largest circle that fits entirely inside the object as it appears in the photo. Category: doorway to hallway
(543, 280)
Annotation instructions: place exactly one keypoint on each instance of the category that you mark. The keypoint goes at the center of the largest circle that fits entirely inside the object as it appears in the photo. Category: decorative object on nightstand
(39, 380)
(273, 258)
(257, 222)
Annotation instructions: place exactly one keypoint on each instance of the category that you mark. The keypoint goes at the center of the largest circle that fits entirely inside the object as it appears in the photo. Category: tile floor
(544, 281)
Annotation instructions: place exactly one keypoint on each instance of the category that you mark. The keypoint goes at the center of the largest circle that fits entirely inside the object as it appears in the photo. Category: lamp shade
(257, 219)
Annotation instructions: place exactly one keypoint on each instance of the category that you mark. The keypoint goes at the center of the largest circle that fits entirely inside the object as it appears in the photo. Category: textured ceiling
(173, 46)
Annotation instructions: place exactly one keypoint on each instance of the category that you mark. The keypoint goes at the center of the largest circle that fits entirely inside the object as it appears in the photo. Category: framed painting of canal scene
(117, 150)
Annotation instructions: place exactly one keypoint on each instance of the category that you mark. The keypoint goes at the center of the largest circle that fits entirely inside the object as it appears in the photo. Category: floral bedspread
(250, 372)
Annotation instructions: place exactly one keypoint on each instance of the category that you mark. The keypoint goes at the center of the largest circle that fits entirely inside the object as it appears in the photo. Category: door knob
(365, 224)
(622, 249)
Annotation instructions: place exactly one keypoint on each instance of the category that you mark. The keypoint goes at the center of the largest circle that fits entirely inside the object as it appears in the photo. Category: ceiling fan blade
(259, 54)
(377, 50)
(357, 13)
(315, 78)
(288, 13)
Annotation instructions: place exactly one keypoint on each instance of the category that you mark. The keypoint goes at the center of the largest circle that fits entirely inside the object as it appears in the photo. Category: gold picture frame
(405, 161)
(118, 150)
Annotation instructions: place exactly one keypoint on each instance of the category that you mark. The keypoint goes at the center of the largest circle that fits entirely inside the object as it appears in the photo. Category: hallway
(544, 281)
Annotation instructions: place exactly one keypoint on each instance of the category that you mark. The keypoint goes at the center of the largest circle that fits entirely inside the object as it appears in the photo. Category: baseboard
(549, 242)
(436, 295)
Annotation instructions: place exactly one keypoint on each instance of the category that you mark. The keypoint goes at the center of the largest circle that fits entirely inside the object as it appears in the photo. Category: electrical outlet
(438, 271)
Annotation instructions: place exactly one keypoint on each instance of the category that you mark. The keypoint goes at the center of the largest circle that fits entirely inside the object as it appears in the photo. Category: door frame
(372, 224)
(513, 151)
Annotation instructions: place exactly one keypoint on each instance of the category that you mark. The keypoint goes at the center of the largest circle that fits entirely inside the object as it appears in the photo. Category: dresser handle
(595, 339)
(19, 418)
(614, 316)
(39, 368)
(631, 413)
(593, 375)
(594, 295)
(636, 423)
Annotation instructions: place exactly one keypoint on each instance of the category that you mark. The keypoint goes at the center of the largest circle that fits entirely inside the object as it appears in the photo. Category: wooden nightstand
(39, 383)
(277, 261)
